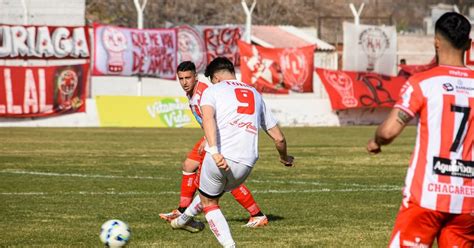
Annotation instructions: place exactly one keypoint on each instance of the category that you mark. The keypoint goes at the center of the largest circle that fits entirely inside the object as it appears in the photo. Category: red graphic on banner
(17, 41)
(222, 42)
(277, 70)
(360, 89)
(42, 91)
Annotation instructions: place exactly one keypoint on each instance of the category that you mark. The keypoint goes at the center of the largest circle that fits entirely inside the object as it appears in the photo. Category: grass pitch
(58, 185)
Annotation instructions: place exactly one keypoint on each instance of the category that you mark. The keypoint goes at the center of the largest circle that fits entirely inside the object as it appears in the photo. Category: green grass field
(58, 185)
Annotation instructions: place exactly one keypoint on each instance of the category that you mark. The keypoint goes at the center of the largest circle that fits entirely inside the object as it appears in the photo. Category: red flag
(360, 89)
(277, 70)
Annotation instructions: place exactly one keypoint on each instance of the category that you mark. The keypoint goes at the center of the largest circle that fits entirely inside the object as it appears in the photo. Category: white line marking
(38, 173)
(177, 193)
(51, 174)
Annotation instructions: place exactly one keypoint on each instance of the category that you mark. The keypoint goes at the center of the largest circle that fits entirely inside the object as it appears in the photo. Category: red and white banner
(360, 89)
(127, 51)
(43, 42)
(201, 44)
(370, 48)
(470, 55)
(42, 91)
(277, 70)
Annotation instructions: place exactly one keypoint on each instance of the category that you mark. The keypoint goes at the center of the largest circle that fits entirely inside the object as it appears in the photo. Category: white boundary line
(38, 173)
(176, 193)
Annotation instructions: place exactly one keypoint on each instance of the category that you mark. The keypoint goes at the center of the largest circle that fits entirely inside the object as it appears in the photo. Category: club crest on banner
(294, 67)
(191, 47)
(374, 42)
(66, 84)
(115, 44)
(344, 86)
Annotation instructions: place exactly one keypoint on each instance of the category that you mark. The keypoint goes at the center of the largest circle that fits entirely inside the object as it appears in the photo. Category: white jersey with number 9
(239, 111)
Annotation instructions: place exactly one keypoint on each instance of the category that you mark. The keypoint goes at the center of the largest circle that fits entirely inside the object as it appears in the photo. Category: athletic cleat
(257, 221)
(170, 216)
(192, 226)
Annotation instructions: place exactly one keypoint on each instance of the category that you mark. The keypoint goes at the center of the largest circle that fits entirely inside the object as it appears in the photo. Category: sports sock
(188, 188)
(194, 208)
(219, 226)
(244, 197)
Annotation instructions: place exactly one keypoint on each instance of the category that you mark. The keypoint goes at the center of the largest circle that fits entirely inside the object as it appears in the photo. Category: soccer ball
(115, 233)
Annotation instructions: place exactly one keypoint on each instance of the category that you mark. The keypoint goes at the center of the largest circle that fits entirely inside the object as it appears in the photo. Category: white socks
(219, 226)
(194, 209)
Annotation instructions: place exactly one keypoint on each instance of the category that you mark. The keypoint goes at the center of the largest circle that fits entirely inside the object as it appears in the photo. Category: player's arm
(389, 130)
(210, 130)
(280, 144)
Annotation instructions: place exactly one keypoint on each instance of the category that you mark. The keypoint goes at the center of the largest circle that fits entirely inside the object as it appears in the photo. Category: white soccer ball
(115, 233)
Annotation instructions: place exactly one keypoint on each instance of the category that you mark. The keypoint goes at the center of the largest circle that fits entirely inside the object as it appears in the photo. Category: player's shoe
(192, 226)
(171, 215)
(257, 221)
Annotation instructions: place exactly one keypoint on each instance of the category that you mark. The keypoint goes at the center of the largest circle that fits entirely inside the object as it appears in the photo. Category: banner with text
(201, 44)
(136, 111)
(42, 91)
(360, 89)
(277, 70)
(127, 51)
(370, 48)
(43, 42)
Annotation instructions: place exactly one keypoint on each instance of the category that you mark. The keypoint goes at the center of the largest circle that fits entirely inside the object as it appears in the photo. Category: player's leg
(188, 187)
(213, 182)
(244, 197)
(458, 232)
(185, 220)
(415, 227)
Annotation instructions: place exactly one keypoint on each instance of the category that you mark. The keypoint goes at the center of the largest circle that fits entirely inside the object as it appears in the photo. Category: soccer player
(194, 89)
(438, 198)
(232, 114)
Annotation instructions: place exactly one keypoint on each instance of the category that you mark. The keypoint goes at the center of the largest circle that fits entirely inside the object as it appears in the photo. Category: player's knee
(190, 165)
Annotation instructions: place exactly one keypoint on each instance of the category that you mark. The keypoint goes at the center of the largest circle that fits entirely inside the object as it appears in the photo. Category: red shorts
(418, 227)
(194, 153)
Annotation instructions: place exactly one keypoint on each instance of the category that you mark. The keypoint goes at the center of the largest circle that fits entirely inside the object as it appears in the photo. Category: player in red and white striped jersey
(439, 191)
(187, 77)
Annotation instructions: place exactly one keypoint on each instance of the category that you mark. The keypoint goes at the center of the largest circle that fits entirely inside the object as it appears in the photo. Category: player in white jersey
(187, 77)
(438, 198)
(233, 112)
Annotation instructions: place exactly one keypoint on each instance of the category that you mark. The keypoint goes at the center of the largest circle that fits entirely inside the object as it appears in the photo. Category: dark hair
(186, 66)
(219, 64)
(455, 28)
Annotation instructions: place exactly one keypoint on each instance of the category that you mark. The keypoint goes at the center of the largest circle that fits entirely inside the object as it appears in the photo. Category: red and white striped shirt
(441, 172)
(195, 100)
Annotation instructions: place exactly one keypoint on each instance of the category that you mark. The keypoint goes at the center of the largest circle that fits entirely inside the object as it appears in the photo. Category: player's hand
(288, 161)
(220, 161)
(373, 147)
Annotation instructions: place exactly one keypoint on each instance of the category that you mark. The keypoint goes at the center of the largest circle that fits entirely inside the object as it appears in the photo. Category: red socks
(188, 188)
(244, 197)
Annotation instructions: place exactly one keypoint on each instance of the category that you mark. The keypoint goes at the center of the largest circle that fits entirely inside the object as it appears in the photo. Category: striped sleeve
(411, 98)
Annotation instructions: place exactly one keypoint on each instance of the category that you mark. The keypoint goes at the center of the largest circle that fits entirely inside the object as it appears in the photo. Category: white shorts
(213, 182)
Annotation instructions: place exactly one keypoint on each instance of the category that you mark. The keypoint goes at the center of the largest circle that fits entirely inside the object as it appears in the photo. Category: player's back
(238, 109)
(441, 172)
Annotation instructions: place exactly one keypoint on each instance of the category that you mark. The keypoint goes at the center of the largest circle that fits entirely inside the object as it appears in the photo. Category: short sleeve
(411, 98)
(267, 120)
(208, 98)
